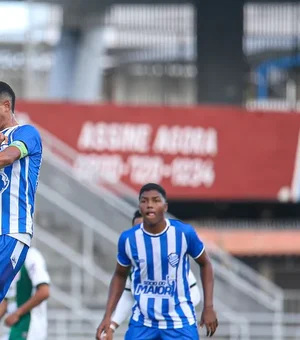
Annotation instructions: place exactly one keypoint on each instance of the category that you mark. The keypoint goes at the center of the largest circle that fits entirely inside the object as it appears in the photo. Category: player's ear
(7, 105)
(166, 207)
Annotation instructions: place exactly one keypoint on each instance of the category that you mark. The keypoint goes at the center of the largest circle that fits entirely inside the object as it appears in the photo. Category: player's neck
(9, 123)
(156, 228)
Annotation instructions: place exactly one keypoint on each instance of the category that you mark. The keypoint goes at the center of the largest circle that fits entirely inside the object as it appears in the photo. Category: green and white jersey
(32, 326)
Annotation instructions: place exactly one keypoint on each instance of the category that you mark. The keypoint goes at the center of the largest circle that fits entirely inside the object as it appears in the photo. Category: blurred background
(202, 97)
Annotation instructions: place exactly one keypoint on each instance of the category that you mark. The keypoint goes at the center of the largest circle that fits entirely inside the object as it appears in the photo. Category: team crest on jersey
(4, 181)
(173, 259)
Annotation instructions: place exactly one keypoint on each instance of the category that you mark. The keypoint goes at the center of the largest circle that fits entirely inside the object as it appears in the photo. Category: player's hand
(209, 319)
(109, 334)
(3, 138)
(103, 329)
(12, 319)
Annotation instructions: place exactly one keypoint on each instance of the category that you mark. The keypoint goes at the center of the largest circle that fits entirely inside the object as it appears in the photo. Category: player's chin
(151, 221)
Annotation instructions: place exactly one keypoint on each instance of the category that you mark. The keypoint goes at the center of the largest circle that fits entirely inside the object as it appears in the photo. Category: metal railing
(78, 213)
(85, 243)
(292, 301)
(67, 168)
(82, 267)
(67, 326)
(256, 285)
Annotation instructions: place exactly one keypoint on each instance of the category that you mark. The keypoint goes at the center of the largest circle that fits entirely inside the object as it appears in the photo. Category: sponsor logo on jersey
(151, 288)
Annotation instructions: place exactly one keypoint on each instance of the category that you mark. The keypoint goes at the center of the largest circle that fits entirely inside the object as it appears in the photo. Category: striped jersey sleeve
(195, 246)
(30, 136)
(122, 256)
(19, 181)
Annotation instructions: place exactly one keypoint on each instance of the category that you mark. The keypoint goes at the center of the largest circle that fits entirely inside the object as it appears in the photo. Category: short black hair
(153, 186)
(137, 214)
(7, 91)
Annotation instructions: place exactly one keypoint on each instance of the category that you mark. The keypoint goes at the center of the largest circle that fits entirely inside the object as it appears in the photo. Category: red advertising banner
(202, 152)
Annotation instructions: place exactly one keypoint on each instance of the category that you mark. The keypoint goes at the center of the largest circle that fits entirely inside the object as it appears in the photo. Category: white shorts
(37, 331)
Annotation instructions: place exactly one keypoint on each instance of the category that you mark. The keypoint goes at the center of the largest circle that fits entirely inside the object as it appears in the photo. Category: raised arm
(9, 154)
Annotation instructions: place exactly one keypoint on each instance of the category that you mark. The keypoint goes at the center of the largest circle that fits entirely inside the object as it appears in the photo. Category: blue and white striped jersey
(18, 182)
(160, 273)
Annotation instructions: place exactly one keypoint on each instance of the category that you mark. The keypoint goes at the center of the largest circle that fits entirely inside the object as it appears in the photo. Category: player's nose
(150, 209)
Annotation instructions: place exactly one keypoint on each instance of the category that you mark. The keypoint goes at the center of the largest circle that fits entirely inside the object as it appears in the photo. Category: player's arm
(116, 288)
(42, 293)
(117, 285)
(207, 278)
(195, 294)
(3, 308)
(197, 251)
(13, 152)
(124, 306)
(123, 309)
(26, 141)
(194, 289)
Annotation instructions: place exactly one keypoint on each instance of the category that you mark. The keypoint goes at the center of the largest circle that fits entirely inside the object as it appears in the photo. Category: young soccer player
(126, 301)
(158, 251)
(20, 162)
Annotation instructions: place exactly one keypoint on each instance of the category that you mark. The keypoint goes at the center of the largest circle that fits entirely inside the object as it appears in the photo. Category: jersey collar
(9, 128)
(155, 235)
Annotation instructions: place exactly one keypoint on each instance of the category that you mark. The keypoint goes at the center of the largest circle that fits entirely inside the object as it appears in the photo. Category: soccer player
(20, 162)
(158, 251)
(26, 300)
(126, 301)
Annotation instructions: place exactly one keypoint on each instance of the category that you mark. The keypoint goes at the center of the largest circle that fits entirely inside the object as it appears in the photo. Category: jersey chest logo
(173, 259)
(164, 288)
